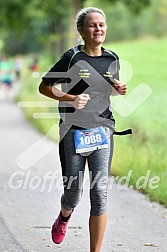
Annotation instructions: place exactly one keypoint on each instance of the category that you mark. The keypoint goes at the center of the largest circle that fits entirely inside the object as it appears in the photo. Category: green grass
(29, 92)
(146, 149)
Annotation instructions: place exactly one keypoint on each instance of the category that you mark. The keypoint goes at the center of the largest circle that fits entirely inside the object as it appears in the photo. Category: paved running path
(26, 214)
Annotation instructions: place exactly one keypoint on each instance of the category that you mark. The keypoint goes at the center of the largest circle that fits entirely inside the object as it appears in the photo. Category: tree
(74, 7)
(47, 19)
(134, 6)
(51, 22)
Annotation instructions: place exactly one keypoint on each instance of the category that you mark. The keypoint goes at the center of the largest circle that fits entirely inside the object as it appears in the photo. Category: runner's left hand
(120, 87)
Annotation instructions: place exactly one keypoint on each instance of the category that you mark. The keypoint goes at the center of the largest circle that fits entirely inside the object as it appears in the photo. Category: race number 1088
(91, 139)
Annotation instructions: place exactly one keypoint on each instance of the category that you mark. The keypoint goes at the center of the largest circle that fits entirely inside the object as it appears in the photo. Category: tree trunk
(65, 36)
(73, 33)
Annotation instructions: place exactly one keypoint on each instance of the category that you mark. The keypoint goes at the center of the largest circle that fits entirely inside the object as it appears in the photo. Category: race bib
(90, 139)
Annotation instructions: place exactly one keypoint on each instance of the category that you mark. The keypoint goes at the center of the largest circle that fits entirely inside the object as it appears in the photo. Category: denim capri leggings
(73, 167)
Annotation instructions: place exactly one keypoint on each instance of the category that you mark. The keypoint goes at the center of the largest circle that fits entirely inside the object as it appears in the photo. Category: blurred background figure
(18, 64)
(18, 69)
(34, 66)
(6, 77)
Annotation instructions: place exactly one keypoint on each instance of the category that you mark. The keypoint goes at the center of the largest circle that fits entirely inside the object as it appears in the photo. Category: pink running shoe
(59, 230)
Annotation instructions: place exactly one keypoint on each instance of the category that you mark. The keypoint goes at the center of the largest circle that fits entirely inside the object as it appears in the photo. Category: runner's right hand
(80, 101)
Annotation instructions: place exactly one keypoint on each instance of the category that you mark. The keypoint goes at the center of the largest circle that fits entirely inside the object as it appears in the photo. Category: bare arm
(77, 101)
(55, 93)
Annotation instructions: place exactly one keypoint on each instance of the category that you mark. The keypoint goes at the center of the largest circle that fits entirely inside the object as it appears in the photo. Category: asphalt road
(29, 200)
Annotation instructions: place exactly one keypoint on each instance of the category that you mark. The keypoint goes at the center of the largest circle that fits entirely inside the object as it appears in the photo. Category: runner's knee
(98, 201)
(70, 199)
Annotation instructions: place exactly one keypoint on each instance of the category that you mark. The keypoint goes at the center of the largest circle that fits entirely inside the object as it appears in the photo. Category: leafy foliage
(28, 25)
(134, 6)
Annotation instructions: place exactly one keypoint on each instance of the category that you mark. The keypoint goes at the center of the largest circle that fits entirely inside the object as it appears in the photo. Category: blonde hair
(82, 15)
